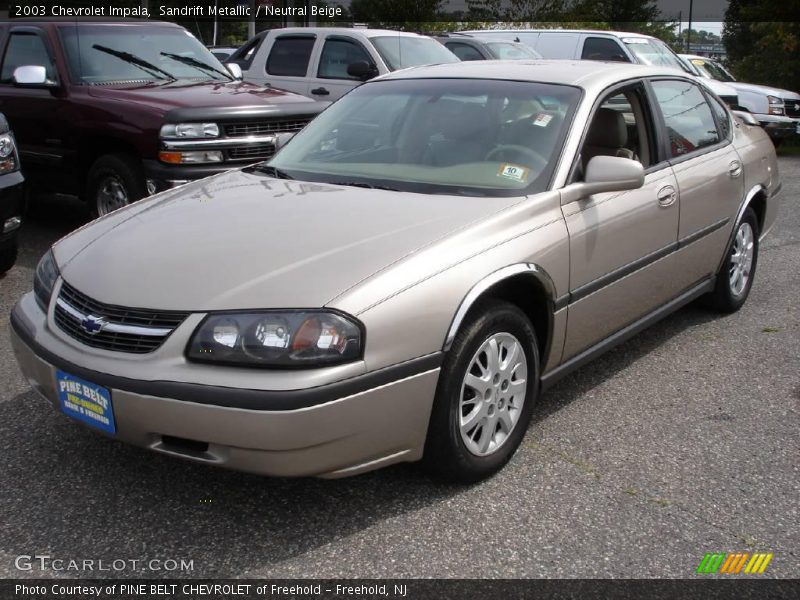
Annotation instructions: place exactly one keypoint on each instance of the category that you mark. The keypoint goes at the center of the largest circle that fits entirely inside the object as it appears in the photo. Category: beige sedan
(408, 274)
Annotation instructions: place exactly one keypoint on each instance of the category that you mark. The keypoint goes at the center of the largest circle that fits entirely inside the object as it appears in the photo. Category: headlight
(189, 130)
(277, 339)
(774, 100)
(8, 154)
(191, 157)
(44, 279)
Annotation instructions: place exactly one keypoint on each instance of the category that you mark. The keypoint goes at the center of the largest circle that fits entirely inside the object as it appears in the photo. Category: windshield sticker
(542, 120)
(514, 172)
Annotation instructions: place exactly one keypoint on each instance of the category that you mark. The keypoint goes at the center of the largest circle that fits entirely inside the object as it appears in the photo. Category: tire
(735, 277)
(490, 438)
(8, 256)
(114, 181)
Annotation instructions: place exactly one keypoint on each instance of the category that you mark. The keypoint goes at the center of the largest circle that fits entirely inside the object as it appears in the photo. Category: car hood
(719, 88)
(764, 89)
(244, 240)
(208, 94)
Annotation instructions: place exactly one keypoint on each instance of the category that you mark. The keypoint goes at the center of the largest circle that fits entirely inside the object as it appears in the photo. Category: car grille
(134, 330)
(792, 108)
(264, 127)
(251, 152)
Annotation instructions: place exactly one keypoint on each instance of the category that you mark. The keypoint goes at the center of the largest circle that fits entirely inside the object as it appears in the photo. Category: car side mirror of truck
(605, 174)
(235, 70)
(32, 76)
(362, 70)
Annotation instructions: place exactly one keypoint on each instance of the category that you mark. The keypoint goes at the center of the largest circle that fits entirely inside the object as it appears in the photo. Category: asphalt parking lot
(684, 440)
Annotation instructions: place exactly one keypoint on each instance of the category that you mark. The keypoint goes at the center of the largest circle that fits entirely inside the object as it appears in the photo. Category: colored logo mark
(733, 563)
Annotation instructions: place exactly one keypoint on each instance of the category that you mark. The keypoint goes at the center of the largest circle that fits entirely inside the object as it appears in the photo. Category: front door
(622, 243)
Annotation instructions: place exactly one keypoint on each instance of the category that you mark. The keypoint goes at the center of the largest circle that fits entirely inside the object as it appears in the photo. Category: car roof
(695, 57)
(343, 30)
(619, 34)
(580, 73)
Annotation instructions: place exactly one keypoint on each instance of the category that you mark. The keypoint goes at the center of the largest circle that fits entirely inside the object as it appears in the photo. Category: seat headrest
(461, 120)
(608, 129)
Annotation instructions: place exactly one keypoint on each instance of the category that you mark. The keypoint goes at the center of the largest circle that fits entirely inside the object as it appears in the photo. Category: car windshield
(475, 137)
(402, 51)
(655, 52)
(712, 70)
(100, 54)
(511, 51)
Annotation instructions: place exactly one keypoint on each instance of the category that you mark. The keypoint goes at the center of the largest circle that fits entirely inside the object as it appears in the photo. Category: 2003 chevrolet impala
(406, 276)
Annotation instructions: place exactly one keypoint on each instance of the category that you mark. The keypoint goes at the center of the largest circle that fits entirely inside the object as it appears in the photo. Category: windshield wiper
(136, 61)
(270, 170)
(362, 184)
(197, 64)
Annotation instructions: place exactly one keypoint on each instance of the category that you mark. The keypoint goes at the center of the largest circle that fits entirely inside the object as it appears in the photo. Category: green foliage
(764, 52)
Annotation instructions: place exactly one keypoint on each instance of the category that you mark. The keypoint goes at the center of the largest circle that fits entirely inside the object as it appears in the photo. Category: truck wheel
(115, 181)
(8, 256)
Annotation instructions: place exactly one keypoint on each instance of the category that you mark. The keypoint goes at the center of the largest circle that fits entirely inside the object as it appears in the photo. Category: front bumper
(164, 177)
(343, 436)
(10, 206)
(778, 127)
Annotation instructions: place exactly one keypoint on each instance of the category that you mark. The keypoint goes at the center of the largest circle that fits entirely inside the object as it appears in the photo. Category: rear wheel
(485, 396)
(115, 181)
(735, 278)
(8, 256)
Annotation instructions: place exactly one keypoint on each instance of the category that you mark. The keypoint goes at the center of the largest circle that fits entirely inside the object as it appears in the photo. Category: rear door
(709, 173)
(286, 61)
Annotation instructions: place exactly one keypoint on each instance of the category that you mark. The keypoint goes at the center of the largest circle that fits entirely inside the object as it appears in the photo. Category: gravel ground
(684, 440)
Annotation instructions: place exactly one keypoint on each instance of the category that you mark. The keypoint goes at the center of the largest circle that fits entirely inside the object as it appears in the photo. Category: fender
(758, 188)
(477, 290)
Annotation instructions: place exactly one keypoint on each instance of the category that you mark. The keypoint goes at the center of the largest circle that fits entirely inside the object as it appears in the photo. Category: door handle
(320, 91)
(735, 169)
(667, 196)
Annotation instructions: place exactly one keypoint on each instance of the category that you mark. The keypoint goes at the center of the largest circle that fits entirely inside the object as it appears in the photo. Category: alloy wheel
(741, 263)
(111, 195)
(493, 394)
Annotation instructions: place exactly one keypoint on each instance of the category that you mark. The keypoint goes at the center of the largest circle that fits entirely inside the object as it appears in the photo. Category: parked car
(777, 110)
(404, 278)
(327, 62)
(10, 197)
(222, 53)
(467, 47)
(616, 46)
(116, 111)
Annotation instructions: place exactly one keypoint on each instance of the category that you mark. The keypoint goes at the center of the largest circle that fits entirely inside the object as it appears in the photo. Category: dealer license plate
(85, 401)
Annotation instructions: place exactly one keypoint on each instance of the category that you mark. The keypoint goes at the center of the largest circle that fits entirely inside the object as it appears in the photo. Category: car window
(654, 52)
(687, 116)
(289, 56)
(400, 51)
(24, 49)
(463, 51)
(454, 136)
(512, 51)
(712, 70)
(723, 117)
(600, 48)
(244, 55)
(620, 127)
(337, 55)
(556, 45)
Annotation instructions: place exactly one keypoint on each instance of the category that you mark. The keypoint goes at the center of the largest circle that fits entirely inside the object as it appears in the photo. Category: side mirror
(746, 117)
(605, 174)
(362, 70)
(235, 70)
(282, 139)
(31, 76)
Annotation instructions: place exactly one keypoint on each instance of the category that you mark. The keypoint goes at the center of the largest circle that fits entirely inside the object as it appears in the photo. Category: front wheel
(735, 278)
(115, 181)
(485, 396)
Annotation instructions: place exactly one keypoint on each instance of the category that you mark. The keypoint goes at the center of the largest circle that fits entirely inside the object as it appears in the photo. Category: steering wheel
(495, 152)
